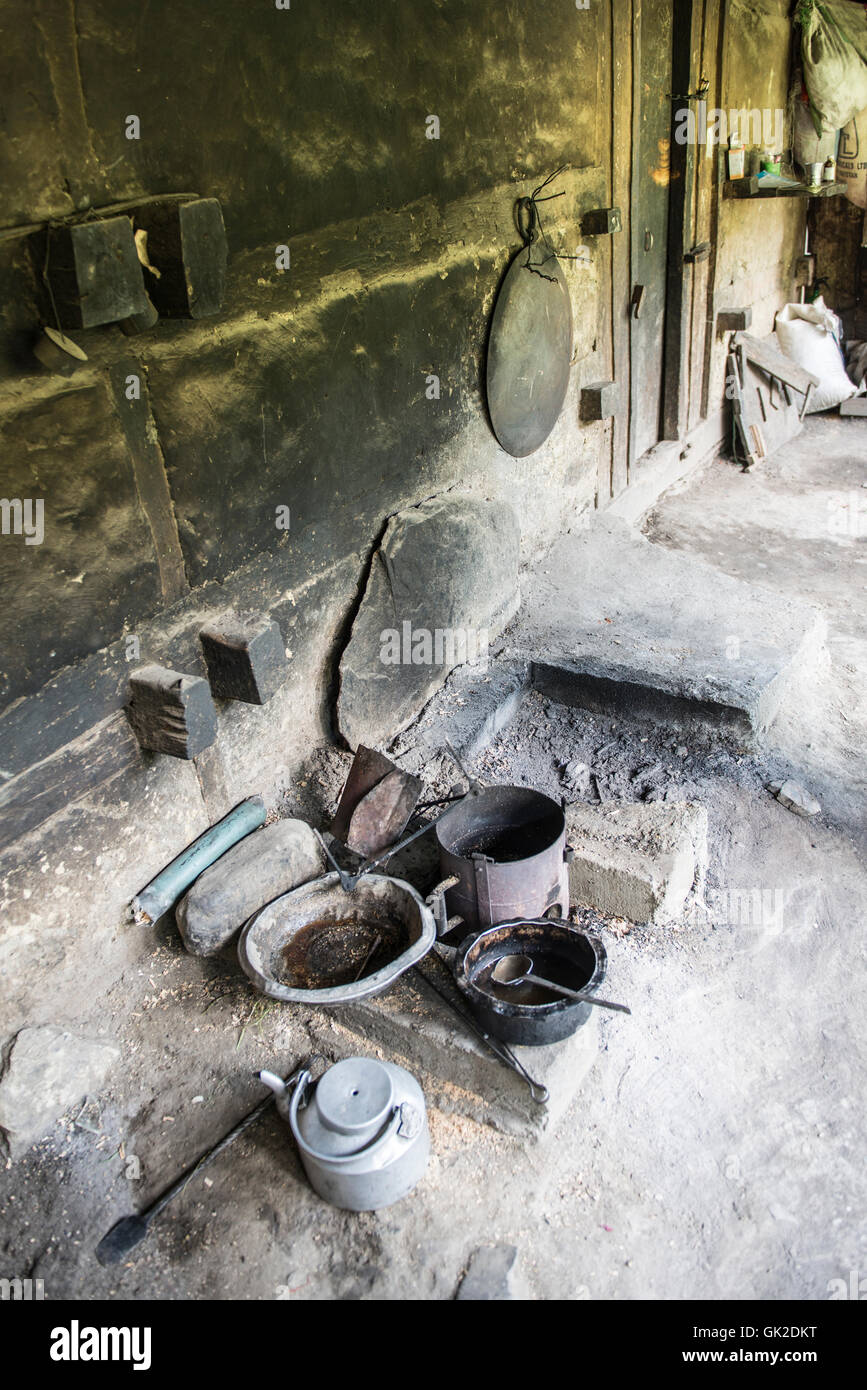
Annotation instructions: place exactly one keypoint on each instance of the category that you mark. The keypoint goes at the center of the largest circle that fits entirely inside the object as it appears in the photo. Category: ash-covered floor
(716, 1148)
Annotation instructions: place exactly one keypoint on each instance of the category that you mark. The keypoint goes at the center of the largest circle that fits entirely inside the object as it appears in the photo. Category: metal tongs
(349, 882)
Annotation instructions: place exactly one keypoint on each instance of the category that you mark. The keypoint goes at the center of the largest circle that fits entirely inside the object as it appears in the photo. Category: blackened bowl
(528, 1014)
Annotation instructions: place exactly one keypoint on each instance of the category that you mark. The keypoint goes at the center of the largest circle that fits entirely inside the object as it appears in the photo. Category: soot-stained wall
(308, 391)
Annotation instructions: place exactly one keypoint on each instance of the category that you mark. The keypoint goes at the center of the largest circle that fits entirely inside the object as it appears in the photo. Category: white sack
(809, 334)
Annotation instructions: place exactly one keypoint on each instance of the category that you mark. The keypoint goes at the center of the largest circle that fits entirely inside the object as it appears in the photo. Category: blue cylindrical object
(164, 890)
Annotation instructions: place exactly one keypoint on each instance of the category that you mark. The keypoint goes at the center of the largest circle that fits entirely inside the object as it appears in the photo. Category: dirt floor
(716, 1148)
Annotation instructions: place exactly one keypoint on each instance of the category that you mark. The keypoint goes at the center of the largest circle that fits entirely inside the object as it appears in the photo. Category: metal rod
(501, 1050)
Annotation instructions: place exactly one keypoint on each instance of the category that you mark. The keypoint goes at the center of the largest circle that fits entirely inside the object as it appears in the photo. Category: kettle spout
(278, 1086)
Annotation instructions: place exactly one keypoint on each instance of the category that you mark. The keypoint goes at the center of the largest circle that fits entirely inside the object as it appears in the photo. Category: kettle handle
(391, 1129)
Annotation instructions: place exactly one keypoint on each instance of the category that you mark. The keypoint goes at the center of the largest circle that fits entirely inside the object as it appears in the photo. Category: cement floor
(716, 1148)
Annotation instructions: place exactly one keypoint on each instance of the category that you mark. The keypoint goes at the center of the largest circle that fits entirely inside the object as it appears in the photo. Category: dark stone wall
(309, 389)
(293, 118)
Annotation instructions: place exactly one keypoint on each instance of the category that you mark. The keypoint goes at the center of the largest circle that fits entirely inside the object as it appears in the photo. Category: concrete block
(638, 861)
(48, 1071)
(170, 712)
(245, 657)
(793, 796)
(258, 869)
(611, 619)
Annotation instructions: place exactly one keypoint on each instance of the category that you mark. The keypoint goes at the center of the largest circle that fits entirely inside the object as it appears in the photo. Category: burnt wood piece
(186, 243)
(171, 712)
(733, 320)
(93, 271)
(775, 363)
(599, 400)
(245, 657)
(601, 222)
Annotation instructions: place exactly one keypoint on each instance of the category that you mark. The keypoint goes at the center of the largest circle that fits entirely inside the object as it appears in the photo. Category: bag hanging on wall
(834, 53)
(810, 335)
(808, 146)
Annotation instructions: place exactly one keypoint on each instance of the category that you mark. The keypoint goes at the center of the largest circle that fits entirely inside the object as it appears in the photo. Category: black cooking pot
(529, 1014)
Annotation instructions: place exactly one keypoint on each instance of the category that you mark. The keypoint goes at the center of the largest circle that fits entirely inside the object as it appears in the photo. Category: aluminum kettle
(361, 1131)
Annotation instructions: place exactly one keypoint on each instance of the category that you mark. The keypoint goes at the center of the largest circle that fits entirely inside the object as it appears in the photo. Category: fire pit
(507, 847)
(321, 945)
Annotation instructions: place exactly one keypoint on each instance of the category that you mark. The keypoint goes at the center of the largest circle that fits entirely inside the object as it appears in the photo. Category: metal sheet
(529, 353)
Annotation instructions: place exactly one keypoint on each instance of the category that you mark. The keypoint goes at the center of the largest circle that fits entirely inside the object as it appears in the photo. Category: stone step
(611, 618)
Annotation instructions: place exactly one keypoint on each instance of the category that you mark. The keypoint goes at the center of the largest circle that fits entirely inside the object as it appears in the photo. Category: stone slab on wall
(445, 573)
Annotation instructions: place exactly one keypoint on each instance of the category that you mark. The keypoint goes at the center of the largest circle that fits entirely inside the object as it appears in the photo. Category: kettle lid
(354, 1095)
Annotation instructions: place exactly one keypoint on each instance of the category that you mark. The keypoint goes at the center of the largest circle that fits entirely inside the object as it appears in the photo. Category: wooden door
(651, 156)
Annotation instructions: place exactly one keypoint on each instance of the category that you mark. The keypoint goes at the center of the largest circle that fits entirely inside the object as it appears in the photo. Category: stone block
(638, 861)
(48, 1071)
(611, 620)
(458, 1073)
(258, 869)
(443, 585)
(489, 1275)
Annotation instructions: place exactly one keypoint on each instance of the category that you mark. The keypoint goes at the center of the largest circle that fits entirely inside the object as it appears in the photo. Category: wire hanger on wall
(529, 224)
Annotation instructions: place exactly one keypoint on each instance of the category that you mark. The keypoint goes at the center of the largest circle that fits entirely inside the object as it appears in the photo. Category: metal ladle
(518, 970)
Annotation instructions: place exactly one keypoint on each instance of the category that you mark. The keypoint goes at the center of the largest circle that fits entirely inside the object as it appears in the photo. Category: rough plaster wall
(760, 240)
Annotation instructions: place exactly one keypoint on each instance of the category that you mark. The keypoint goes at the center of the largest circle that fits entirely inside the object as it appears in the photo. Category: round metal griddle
(529, 352)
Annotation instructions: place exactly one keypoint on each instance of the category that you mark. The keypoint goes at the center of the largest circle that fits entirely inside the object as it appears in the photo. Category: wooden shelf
(751, 187)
